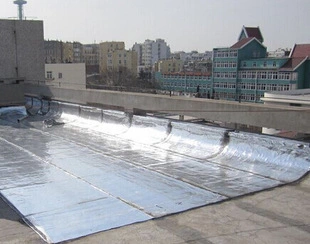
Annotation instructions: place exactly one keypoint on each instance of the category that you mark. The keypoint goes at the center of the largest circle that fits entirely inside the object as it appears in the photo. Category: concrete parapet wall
(12, 94)
(271, 116)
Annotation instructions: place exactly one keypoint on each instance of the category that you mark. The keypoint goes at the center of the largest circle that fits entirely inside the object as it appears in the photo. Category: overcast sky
(186, 25)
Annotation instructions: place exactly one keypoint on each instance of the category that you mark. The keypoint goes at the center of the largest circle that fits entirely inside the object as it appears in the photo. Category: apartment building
(106, 49)
(121, 60)
(114, 58)
(53, 51)
(151, 52)
(63, 52)
(78, 52)
(91, 54)
(67, 52)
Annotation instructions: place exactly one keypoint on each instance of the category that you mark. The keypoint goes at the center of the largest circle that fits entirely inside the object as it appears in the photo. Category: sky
(185, 25)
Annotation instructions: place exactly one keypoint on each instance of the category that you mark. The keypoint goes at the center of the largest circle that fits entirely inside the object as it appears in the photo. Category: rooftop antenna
(20, 4)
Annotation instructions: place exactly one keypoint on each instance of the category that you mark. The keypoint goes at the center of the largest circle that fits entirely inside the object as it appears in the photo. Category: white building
(194, 56)
(150, 52)
(66, 75)
(294, 98)
(280, 52)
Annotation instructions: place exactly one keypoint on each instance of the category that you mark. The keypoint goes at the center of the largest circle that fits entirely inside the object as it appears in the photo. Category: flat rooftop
(70, 171)
(279, 215)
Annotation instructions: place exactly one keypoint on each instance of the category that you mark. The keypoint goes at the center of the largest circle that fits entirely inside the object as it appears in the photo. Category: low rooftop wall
(271, 116)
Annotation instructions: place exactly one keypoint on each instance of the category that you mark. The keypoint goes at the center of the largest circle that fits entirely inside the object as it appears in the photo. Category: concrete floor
(280, 215)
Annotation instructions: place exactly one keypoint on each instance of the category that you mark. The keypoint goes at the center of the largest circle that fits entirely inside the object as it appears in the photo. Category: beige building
(68, 52)
(169, 66)
(114, 57)
(105, 50)
(66, 75)
(122, 59)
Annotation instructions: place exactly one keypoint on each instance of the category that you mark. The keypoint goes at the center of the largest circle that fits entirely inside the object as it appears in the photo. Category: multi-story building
(186, 82)
(138, 49)
(77, 52)
(106, 50)
(169, 66)
(150, 52)
(67, 48)
(227, 62)
(91, 54)
(121, 60)
(63, 52)
(243, 72)
(53, 51)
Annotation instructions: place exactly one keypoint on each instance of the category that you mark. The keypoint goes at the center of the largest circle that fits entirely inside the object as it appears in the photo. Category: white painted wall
(67, 75)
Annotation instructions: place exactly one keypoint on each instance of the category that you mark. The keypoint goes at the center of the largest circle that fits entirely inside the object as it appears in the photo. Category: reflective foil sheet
(73, 170)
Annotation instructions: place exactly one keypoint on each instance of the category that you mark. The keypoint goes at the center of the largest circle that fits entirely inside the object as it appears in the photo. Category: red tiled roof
(291, 64)
(301, 51)
(242, 42)
(189, 73)
(254, 32)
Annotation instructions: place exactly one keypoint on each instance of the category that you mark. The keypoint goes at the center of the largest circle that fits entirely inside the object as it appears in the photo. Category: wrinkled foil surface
(72, 170)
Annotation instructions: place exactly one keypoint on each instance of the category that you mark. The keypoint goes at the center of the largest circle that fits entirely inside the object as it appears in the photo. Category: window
(49, 75)
(295, 104)
(274, 64)
(274, 75)
(59, 75)
(254, 64)
(265, 64)
(244, 64)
